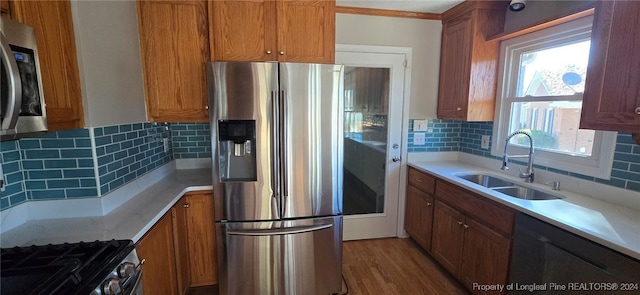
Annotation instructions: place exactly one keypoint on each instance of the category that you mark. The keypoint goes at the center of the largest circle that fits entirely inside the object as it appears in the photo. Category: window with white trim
(540, 88)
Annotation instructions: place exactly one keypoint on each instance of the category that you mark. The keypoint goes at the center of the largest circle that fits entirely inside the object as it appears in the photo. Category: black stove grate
(59, 269)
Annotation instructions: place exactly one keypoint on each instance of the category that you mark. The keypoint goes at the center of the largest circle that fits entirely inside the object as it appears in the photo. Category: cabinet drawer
(487, 211)
(422, 181)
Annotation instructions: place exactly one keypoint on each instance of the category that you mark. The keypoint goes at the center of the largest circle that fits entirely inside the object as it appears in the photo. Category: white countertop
(129, 221)
(608, 224)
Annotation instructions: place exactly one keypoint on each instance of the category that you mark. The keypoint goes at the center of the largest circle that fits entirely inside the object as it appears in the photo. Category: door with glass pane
(373, 99)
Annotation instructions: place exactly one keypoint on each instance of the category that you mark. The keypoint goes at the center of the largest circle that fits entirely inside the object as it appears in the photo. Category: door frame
(406, 99)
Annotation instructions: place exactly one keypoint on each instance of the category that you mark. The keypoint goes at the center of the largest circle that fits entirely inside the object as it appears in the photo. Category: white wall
(109, 62)
(421, 35)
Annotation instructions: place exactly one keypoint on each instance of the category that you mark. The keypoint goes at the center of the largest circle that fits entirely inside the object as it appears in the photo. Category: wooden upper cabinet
(611, 99)
(273, 30)
(468, 63)
(53, 24)
(174, 43)
(306, 31)
(243, 30)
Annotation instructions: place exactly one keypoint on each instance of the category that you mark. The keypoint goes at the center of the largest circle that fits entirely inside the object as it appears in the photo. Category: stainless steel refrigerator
(277, 176)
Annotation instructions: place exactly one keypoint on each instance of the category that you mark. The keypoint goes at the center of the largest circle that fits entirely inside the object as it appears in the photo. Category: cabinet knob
(638, 110)
(206, 107)
(458, 109)
(429, 204)
(268, 51)
(185, 205)
(281, 52)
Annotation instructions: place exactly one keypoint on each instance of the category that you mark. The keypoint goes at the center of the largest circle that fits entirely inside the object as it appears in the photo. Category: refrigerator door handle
(279, 231)
(284, 152)
(275, 134)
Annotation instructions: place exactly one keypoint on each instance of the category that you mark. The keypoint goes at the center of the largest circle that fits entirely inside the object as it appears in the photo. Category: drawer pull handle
(459, 222)
(419, 180)
(465, 226)
(429, 204)
(186, 206)
(638, 110)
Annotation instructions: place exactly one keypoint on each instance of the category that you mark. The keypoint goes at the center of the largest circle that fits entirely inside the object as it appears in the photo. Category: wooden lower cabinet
(472, 252)
(419, 216)
(157, 250)
(485, 257)
(181, 245)
(179, 250)
(448, 237)
(201, 239)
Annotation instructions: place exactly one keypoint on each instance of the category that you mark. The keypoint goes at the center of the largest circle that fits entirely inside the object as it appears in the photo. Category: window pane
(553, 125)
(554, 71)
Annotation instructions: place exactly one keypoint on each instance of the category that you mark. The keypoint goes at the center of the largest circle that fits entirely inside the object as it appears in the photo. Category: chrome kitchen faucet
(528, 175)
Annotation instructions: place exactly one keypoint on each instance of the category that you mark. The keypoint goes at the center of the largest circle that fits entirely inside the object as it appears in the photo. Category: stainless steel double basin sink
(509, 188)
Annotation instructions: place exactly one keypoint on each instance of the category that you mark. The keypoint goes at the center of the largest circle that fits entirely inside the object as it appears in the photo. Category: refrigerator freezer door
(281, 257)
(244, 91)
(312, 139)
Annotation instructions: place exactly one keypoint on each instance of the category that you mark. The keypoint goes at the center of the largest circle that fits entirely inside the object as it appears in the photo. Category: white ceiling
(432, 6)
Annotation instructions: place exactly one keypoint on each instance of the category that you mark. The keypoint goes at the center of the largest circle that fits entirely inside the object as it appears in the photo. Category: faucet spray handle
(504, 162)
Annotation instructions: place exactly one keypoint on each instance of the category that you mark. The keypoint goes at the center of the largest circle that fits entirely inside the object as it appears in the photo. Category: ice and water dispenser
(237, 150)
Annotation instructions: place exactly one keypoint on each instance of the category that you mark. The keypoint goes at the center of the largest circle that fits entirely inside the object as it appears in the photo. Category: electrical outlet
(484, 143)
(418, 139)
(420, 125)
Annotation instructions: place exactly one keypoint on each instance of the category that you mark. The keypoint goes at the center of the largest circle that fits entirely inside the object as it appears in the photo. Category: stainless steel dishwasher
(549, 260)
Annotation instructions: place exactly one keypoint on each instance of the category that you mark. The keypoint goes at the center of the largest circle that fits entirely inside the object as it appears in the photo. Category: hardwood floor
(393, 266)
(386, 267)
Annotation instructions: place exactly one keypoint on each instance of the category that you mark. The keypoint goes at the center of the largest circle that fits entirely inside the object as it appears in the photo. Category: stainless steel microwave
(22, 108)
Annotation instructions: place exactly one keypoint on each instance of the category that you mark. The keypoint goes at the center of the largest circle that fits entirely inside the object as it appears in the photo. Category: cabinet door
(412, 214)
(201, 236)
(180, 242)
(446, 244)
(174, 43)
(4, 8)
(419, 216)
(243, 30)
(485, 258)
(455, 67)
(53, 26)
(611, 98)
(306, 31)
(156, 248)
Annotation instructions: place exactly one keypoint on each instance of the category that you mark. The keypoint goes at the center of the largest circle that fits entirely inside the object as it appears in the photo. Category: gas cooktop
(76, 268)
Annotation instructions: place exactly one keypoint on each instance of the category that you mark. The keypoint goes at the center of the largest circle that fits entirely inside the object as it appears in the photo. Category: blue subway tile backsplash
(191, 140)
(125, 152)
(62, 165)
(444, 137)
(625, 172)
(55, 163)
